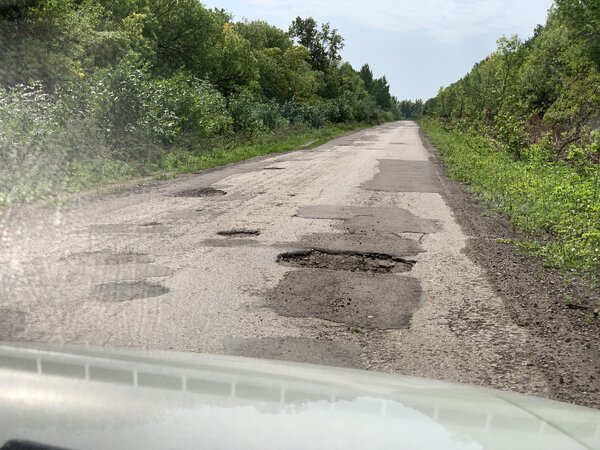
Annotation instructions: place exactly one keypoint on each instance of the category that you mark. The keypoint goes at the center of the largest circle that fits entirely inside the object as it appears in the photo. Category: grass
(540, 197)
(47, 179)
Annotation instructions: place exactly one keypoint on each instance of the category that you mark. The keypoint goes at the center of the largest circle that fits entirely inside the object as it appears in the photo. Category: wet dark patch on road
(230, 243)
(388, 243)
(108, 258)
(200, 192)
(369, 219)
(366, 300)
(239, 232)
(126, 291)
(12, 323)
(404, 176)
(298, 349)
(346, 260)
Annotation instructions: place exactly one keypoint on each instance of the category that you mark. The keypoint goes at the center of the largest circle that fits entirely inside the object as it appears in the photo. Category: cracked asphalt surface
(191, 264)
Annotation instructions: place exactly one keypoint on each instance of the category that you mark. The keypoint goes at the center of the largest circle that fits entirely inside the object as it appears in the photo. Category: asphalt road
(345, 255)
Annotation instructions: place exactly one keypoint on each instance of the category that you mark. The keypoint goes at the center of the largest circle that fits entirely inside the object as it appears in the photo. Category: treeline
(123, 80)
(538, 98)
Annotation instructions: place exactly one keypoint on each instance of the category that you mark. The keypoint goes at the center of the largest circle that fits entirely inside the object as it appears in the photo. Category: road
(347, 254)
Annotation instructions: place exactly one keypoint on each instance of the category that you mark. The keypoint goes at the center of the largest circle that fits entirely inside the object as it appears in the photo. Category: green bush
(537, 195)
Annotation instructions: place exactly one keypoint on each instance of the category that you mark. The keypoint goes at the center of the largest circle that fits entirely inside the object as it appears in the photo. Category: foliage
(537, 195)
(117, 85)
(546, 88)
(536, 106)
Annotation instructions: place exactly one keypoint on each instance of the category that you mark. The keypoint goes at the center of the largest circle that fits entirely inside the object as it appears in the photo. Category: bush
(538, 196)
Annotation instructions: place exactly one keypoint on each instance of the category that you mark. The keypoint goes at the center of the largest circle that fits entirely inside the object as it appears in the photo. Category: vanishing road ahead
(347, 254)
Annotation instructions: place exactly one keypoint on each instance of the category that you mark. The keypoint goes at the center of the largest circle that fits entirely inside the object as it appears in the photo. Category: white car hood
(82, 398)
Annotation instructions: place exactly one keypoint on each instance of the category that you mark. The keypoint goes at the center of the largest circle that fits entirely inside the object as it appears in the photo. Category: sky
(419, 45)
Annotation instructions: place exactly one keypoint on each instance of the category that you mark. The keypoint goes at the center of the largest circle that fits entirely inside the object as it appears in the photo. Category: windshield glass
(403, 187)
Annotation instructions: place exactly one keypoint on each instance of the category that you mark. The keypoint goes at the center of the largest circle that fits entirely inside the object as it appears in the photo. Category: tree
(583, 19)
(324, 45)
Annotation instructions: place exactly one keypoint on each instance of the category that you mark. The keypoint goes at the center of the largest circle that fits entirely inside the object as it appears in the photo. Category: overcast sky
(419, 45)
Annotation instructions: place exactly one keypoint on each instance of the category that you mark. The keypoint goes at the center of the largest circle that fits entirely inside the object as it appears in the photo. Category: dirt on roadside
(557, 312)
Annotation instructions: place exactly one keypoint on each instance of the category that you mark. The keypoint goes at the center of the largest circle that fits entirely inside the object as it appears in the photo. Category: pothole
(273, 168)
(200, 192)
(150, 224)
(241, 232)
(347, 261)
(125, 291)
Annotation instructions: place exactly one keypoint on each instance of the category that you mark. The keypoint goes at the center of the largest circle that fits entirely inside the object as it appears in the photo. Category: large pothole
(200, 192)
(125, 291)
(347, 261)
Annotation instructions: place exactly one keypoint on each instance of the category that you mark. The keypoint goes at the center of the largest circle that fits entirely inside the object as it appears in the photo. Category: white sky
(419, 45)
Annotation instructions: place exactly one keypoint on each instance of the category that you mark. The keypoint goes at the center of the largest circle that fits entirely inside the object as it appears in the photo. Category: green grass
(540, 197)
(76, 176)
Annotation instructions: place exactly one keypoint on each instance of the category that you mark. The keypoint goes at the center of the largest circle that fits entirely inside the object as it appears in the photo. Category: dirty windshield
(401, 187)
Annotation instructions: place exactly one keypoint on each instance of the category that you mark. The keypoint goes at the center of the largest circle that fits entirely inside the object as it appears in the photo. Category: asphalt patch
(363, 219)
(298, 349)
(404, 176)
(200, 192)
(239, 232)
(126, 291)
(348, 261)
(366, 300)
(12, 323)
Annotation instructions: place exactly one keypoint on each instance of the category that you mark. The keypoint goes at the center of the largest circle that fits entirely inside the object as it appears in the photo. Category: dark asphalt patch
(200, 192)
(404, 176)
(125, 291)
(371, 301)
(387, 243)
(348, 261)
(12, 323)
(108, 258)
(239, 232)
(298, 349)
(366, 219)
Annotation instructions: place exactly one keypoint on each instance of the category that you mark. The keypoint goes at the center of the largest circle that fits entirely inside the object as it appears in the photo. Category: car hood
(88, 398)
